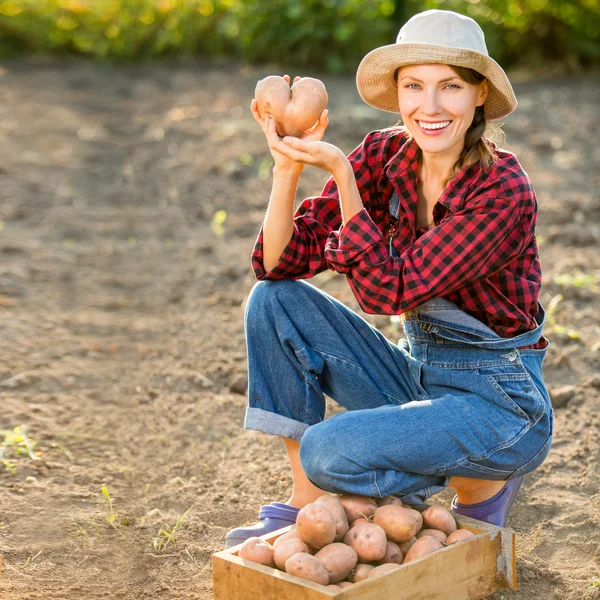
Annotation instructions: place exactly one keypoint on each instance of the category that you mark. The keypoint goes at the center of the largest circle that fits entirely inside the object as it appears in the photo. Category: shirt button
(512, 356)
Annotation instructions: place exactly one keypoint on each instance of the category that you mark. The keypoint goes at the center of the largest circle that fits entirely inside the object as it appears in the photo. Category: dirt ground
(122, 350)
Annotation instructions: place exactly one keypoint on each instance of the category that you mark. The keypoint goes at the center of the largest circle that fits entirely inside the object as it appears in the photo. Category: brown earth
(122, 346)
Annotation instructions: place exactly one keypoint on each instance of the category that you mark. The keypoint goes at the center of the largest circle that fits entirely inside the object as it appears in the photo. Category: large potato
(344, 584)
(393, 554)
(339, 560)
(422, 547)
(287, 549)
(436, 533)
(295, 110)
(382, 569)
(368, 540)
(308, 567)
(358, 506)
(334, 506)
(438, 517)
(258, 551)
(460, 535)
(400, 524)
(315, 525)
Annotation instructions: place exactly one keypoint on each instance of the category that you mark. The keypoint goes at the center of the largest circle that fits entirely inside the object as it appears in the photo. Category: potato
(334, 506)
(358, 506)
(368, 540)
(422, 547)
(393, 554)
(335, 588)
(361, 572)
(286, 549)
(438, 517)
(344, 584)
(295, 110)
(436, 533)
(405, 546)
(308, 567)
(292, 534)
(339, 560)
(258, 551)
(316, 527)
(382, 569)
(460, 535)
(387, 500)
(359, 521)
(400, 524)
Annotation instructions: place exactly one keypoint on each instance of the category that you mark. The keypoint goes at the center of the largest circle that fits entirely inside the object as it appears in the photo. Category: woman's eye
(408, 86)
(452, 85)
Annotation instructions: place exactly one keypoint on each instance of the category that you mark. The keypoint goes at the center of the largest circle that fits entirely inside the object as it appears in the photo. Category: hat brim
(377, 87)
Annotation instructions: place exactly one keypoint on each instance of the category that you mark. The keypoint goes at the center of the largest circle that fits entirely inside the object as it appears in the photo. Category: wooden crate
(471, 570)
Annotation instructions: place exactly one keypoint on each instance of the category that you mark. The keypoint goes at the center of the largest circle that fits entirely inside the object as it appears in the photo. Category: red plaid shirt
(481, 253)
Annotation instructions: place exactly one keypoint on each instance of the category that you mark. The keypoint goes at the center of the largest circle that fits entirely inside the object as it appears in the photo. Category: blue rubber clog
(271, 517)
(494, 510)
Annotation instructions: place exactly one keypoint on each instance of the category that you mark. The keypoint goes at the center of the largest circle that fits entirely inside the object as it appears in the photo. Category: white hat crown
(445, 28)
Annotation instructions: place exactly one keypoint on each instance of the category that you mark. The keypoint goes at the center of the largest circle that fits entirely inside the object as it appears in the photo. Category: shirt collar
(404, 165)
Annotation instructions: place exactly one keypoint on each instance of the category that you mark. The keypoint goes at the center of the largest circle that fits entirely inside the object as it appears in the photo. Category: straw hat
(434, 36)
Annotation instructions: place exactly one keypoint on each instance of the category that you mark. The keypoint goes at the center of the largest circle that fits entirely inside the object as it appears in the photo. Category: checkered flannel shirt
(480, 254)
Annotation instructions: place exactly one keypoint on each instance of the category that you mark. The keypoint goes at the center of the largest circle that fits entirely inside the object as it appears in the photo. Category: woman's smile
(433, 127)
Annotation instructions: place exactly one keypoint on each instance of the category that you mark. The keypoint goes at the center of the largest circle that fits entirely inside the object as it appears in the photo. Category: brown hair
(476, 150)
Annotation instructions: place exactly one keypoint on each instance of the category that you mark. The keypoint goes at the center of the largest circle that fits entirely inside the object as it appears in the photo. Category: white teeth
(434, 125)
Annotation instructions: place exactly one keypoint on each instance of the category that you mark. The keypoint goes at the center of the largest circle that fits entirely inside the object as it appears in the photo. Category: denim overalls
(452, 399)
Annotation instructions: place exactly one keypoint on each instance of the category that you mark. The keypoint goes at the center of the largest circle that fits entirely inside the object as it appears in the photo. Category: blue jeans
(453, 398)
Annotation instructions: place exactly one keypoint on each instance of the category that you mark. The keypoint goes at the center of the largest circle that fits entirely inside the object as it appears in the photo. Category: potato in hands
(295, 110)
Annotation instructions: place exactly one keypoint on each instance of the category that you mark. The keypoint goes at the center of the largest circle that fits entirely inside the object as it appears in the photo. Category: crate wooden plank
(472, 570)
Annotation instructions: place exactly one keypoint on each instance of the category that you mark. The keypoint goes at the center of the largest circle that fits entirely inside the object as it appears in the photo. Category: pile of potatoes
(340, 540)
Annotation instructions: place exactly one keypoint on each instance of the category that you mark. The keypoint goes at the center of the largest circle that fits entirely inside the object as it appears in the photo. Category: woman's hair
(476, 149)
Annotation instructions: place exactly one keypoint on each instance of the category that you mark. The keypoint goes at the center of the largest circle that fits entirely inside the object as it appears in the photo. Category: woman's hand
(278, 149)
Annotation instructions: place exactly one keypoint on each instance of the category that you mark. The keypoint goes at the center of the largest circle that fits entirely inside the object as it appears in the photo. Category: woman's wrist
(291, 171)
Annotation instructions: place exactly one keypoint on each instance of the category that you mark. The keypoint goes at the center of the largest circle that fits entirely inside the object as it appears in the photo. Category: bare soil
(122, 348)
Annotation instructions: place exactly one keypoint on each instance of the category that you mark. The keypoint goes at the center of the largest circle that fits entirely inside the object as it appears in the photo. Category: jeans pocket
(518, 394)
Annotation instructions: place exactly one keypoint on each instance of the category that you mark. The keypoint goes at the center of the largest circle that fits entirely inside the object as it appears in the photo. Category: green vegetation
(166, 536)
(18, 443)
(327, 35)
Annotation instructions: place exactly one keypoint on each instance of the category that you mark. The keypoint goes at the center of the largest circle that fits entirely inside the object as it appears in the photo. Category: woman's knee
(263, 293)
(320, 457)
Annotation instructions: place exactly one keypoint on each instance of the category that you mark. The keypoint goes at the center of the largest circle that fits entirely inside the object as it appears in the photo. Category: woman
(431, 221)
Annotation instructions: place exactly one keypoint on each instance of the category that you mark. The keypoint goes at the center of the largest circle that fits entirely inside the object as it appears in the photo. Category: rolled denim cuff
(274, 424)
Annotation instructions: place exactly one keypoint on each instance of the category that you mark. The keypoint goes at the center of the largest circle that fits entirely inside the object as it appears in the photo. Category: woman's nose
(431, 103)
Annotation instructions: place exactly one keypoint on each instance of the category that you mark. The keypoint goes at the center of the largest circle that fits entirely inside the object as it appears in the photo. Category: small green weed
(17, 441)
(165, 536)
(112, 516)
(30, 559)
(595, 584)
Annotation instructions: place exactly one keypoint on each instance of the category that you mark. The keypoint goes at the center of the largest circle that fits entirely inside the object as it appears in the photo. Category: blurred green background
(328, 35)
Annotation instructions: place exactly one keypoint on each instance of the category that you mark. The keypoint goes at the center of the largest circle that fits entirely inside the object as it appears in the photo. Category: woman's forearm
(278, 226)
(350, 200)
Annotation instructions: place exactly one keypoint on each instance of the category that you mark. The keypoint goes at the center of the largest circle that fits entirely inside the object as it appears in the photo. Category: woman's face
(437, 106)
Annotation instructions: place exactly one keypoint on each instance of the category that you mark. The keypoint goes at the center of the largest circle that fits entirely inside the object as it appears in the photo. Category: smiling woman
(429, 220)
